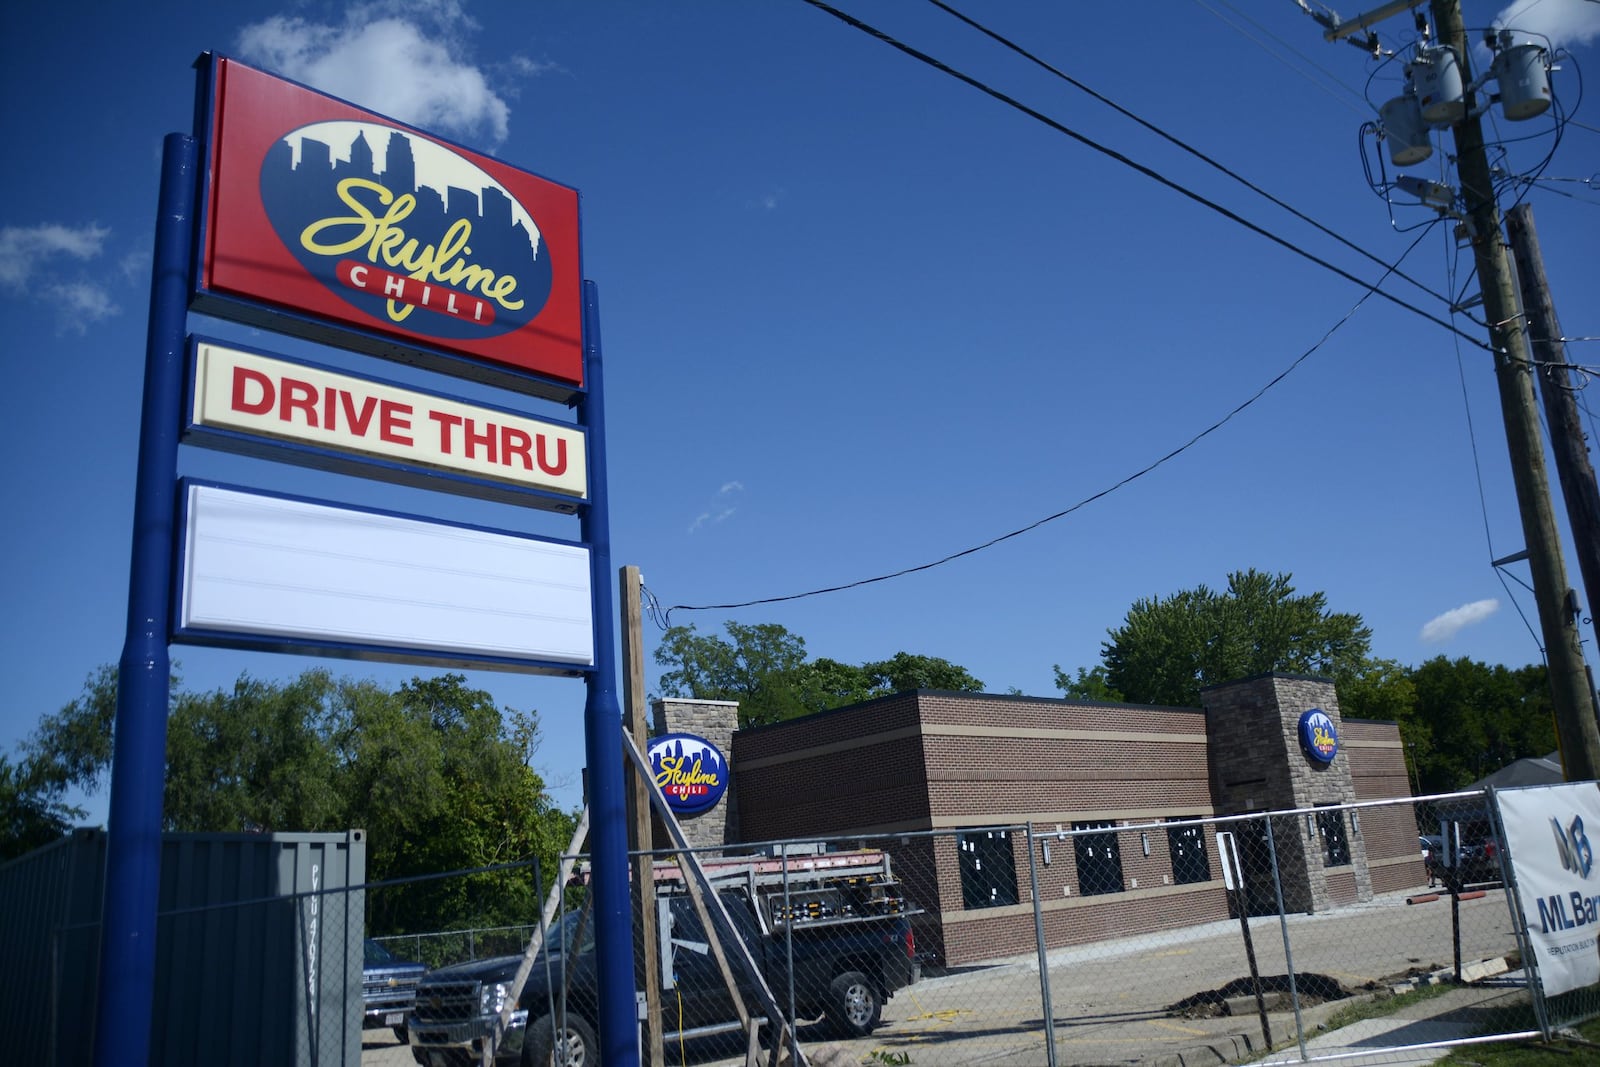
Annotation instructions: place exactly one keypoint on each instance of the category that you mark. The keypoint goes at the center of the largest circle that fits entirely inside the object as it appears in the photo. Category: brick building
(961, 763)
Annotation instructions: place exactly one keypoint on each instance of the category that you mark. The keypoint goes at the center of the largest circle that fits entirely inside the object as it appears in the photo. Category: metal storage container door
(259, 950)
(252, 966)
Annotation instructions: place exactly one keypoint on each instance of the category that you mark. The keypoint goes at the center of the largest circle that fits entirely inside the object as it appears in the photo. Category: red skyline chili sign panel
(321, 209)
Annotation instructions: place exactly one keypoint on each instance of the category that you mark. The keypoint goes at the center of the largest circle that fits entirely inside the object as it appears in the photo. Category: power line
(1148, 172)
(1184, 145)
(663, 618)
(1319, 68)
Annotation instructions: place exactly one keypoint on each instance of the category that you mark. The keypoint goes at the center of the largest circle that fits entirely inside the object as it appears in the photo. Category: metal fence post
(788, 950)
(1044, 956)
(1283, 925)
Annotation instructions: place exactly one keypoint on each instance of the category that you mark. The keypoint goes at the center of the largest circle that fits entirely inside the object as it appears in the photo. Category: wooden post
(707, 899)
(1567, 445)
(536, 942)
(639, 834)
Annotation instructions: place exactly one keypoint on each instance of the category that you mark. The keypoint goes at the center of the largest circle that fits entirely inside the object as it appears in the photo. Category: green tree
(1380, 689)
(1086, 685)
(1479, 718)
(825, 683)
(904, 671)
(255, 758)
(764, 668)
(486, 806)
(436, 773)
(759, 667)
(1167, 650)
(72, 748)
(31, 814)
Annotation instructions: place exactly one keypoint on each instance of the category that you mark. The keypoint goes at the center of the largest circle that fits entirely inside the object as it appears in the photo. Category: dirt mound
(1311, 987)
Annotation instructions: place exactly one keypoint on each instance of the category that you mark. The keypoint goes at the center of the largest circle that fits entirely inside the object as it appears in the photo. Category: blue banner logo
(692, 773)
(1318, 736)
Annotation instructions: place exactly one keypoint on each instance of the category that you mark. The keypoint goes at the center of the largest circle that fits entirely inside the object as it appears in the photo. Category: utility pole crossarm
(1349, 27)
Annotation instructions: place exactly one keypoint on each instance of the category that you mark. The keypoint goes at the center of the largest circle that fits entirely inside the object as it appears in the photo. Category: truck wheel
(853, 1004)
(575, 1046)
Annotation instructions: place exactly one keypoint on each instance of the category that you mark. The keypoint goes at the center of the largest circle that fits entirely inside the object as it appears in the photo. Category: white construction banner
(1553, 862)
(282, 572)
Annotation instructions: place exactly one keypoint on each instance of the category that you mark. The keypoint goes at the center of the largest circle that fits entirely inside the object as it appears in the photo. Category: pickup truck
(388, 988)
(852, 949)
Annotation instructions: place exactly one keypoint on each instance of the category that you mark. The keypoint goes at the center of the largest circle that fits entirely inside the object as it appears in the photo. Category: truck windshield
(566, 929)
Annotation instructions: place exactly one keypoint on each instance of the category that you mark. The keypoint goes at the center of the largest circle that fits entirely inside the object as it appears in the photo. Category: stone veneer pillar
(1257, 765)
(714, 720)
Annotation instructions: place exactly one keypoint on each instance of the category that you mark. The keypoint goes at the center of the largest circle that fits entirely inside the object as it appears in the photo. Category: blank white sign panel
(269, 567)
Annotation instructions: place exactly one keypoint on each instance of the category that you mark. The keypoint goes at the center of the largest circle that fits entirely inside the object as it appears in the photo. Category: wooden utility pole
(1571, 697)
(1573, 468)
(640, 837)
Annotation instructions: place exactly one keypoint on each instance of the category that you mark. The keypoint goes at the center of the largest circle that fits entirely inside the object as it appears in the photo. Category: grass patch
(1563, 1052)
(1382, 1004)
(1582, 1047)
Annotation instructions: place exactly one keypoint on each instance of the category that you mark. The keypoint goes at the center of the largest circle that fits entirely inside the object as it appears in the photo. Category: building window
(1335, 845)
(988, 872)
(1099, 859)
(1189, 861)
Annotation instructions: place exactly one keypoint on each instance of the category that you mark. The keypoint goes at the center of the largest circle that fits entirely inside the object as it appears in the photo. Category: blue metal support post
(602, 719)
(138, 766)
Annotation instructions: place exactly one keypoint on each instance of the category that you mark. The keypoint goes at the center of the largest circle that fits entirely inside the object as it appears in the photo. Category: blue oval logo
(691, 771)
(1318, 736)
(405, 230)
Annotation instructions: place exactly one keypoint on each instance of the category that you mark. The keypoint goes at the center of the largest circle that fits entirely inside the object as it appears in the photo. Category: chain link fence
(1087, 943)
(1253, 937)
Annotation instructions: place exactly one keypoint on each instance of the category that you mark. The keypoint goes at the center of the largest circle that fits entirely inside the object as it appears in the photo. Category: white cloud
(27, 250)
(79, 303)
(404, 61)
(1452, 622)
(37, 262)
(534, 68)
(1565, 22)
(720, 509)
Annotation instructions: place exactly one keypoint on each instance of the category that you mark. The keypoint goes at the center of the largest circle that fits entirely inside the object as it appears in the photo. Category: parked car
(1478, 860)
(1433, 857)
(388, 988)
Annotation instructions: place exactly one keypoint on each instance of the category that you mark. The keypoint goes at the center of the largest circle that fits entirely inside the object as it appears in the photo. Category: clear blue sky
(857, 316)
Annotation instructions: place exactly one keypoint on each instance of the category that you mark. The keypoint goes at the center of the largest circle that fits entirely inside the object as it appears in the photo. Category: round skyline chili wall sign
(691, 771)
(318, 212)
(396, 225)
(1318, 736)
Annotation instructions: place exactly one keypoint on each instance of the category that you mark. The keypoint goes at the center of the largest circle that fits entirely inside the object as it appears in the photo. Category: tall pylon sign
(311, 218)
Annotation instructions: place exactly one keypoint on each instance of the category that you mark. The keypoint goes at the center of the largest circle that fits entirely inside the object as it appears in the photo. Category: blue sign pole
(602, 719)
(138, 766)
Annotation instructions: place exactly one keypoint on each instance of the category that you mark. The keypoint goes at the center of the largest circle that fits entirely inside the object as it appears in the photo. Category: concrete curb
(1222, 1049)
